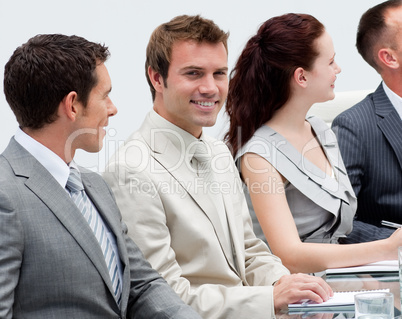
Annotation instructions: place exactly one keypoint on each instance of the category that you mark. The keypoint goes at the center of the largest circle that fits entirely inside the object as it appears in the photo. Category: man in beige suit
(180, 193)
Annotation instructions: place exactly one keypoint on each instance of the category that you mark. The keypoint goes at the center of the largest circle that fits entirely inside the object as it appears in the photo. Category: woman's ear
(388, 58)
(156, 79)
(300, 77)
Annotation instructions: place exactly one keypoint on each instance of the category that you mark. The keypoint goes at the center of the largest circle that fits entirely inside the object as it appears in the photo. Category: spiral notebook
(339, 299)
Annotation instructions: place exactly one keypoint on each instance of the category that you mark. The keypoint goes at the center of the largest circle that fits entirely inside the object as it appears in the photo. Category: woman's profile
(296, 180)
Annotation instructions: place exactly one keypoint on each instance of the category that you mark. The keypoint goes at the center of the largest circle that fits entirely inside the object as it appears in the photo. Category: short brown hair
(373, 31)
(184, 27)
(41, 72)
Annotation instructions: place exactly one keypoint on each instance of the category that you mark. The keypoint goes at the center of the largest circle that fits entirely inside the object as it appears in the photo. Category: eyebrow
(224, 69)
(199, 68)
(108, 91)
(192, 67)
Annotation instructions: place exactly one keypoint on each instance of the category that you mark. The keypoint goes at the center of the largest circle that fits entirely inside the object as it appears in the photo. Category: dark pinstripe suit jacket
(370, 140)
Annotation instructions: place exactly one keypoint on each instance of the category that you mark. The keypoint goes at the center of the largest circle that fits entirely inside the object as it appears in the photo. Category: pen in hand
(390, 224)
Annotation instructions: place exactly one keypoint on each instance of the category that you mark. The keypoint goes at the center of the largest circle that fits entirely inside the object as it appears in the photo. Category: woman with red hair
(296, 180)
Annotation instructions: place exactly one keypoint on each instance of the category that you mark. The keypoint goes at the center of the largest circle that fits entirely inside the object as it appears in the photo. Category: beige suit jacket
(176, 225)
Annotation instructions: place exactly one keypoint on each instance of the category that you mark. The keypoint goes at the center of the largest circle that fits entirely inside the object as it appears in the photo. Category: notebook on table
(344, 299)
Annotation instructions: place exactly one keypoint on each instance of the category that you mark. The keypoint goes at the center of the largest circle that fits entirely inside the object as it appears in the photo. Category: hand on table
(293, 288)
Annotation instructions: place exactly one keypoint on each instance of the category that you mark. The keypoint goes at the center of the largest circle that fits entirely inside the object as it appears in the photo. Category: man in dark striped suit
(370, 133)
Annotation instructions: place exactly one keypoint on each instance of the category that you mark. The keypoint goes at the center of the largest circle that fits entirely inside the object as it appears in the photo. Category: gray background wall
(125, 26)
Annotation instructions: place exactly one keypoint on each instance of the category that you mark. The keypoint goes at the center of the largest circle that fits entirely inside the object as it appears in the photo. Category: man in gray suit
(370, 133)
(180, 193)
(64, 251)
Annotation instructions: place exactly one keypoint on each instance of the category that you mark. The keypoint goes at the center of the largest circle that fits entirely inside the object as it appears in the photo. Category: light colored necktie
(205, 170)
(84, 204)
(202, 163)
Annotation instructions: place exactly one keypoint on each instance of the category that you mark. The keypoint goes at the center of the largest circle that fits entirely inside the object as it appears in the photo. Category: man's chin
(93, 148)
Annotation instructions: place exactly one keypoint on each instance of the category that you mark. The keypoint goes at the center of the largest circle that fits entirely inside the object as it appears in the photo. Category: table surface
(352, 282)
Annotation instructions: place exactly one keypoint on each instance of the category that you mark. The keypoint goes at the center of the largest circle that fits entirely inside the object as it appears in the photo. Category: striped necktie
(88, 210)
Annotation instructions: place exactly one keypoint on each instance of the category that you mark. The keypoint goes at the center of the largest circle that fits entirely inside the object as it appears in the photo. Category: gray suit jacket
(172, 218)
(370, 139)
(51, 265)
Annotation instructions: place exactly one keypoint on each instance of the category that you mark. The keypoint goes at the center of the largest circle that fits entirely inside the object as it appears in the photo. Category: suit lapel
(68, 214)
(111, 216)
(49, 191)
(311, 171)
(389, 121)
(187, 179)
(328, 141)
(235, 252)
(174, 162)
(104, 205)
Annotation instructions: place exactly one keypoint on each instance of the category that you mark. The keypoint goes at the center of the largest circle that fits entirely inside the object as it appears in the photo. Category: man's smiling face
(196, 86)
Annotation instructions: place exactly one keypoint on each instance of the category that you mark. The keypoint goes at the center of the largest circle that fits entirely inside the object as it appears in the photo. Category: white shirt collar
(186, 138)
(52, 162)
(395, 99)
